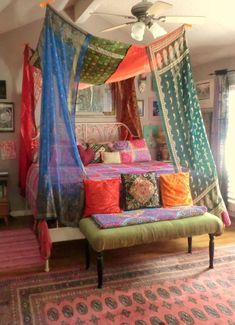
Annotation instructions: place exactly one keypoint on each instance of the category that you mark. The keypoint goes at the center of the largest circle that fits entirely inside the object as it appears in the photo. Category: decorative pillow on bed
(140, 191)
(175, 190)
(111, 157)
(132, 151)
(98, 148)
(119, 145)
(86, 154)
(102, 196)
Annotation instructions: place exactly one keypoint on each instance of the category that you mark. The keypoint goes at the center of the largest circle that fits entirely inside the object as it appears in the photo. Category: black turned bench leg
(189, 245)
(87, 251)
(100, 265)
(211, 251)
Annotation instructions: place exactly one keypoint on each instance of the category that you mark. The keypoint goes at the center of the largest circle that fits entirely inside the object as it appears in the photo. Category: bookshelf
(4, 201)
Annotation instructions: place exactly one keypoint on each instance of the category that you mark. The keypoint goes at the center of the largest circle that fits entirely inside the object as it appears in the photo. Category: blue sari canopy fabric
(60, 188)
(69, 56)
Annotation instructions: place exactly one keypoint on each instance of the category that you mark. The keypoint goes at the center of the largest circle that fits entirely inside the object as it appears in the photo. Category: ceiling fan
(147, 15)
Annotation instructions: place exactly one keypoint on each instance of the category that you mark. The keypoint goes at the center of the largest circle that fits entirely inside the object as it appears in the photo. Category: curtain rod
(220, 72)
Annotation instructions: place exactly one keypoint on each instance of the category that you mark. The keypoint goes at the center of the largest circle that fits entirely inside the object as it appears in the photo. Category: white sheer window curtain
(230, 146)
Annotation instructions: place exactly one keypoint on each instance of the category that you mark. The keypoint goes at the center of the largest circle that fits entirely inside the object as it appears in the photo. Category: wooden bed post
(189, 245)
(100, 265)
(87, 252)
(47, 267)
(211, 251)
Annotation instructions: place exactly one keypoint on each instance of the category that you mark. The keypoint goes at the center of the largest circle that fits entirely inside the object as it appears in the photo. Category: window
(230, 157)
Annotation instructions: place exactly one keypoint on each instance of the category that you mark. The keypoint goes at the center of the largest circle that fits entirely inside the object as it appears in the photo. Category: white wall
(202, 72)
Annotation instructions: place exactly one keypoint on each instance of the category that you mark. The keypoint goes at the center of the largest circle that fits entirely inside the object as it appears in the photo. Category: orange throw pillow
(102, 196)
(175, 190)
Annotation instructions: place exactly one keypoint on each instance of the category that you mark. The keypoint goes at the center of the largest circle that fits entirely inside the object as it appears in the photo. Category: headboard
(92, 132)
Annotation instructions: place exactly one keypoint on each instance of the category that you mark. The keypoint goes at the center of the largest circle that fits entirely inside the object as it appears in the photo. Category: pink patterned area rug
(19, 249)
(172, 289)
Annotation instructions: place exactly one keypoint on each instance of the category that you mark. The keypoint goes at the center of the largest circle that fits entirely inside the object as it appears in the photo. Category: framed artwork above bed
(95, 101)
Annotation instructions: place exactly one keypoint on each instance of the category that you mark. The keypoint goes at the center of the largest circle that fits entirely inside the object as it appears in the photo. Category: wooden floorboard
(71, 254)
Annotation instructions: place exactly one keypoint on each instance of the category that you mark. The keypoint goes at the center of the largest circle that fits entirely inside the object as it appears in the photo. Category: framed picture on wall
(142, 82)
(7, 120)
(155, 108)
(3, 89)
(205, 93)
(140, 104)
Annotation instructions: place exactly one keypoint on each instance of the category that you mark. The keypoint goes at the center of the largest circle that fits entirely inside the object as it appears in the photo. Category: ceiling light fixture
(137, 30)
(156, 30)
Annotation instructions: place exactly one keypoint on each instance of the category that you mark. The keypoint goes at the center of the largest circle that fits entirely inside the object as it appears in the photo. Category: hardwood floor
(71, 253)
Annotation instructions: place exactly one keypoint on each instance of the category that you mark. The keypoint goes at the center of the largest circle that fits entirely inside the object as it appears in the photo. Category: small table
(4, 201)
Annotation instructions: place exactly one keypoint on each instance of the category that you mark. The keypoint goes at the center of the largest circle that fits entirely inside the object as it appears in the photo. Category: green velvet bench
(106, 239)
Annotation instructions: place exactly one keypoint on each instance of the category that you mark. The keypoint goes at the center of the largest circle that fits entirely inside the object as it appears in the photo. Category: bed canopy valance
(70, 58)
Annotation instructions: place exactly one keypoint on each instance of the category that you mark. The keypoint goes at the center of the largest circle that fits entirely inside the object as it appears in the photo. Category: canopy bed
(67, 59)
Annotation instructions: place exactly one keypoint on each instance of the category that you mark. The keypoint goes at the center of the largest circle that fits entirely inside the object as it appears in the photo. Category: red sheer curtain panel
(27, 122)
(125, 103)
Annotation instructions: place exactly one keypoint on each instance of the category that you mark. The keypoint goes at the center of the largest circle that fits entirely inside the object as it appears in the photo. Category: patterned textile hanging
(60, 190)
(182, 120)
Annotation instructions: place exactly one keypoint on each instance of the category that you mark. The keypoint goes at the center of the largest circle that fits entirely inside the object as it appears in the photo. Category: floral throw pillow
(140, 191)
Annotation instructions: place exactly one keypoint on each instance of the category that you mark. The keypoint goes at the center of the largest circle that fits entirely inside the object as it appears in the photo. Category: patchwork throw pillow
(140, 150)
(132, 151)
(140, 191)
(175, 190)
(102, 196)
(86, 154)
(119, 145)
(98, 148)
(110, 157)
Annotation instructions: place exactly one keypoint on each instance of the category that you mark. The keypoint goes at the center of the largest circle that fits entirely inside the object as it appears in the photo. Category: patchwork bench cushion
(112, 238)
(134, 217)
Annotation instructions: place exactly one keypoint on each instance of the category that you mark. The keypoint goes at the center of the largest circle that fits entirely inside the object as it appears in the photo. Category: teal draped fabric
(61, 172)
(182, 120)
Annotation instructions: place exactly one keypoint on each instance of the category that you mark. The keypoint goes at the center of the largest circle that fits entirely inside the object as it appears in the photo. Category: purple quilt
(102, 171)
(134, 217)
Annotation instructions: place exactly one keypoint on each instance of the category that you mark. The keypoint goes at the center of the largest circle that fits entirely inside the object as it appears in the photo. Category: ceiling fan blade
(182, 19)
(116, 27)
(109, 14)
(158, 7)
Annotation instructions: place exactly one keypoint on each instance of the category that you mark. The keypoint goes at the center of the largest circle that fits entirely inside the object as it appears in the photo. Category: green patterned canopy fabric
(102, 59)
(182, 120)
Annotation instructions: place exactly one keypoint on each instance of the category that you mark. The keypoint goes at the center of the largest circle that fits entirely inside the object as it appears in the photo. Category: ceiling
(213, 40)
